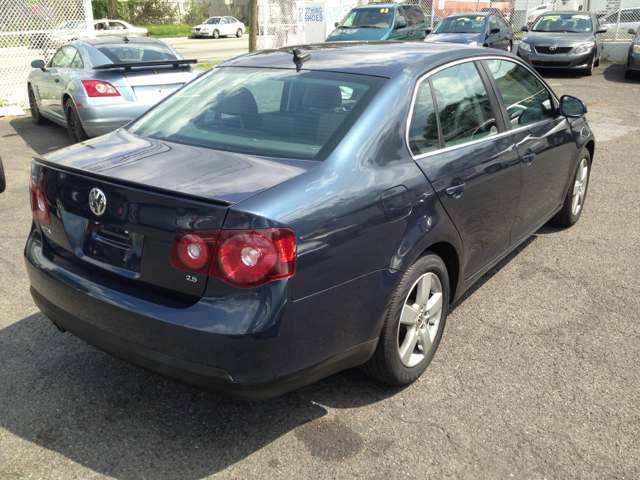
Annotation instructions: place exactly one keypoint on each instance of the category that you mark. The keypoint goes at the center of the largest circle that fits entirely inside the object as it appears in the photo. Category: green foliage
(139, 12)
(168, 31)
(197, 13)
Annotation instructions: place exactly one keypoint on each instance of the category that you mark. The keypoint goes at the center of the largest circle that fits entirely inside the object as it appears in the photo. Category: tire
(74, 125)
(239, 33)
(570, 213)
(510, 47)
(386, 364)
(597, 62)
(37, 117)
(3, 182)
(587, 72)
(216, 34)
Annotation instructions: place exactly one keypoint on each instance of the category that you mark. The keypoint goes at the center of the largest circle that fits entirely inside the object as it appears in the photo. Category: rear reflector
(39, 204)
(96, 88)
(244, 258)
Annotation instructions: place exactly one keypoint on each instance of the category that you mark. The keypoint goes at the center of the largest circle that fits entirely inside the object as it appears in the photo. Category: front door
(474, 170)
(543, 140)
(52, 83)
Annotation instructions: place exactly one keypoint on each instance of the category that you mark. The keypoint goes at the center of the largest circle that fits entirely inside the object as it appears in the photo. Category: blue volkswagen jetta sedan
(293, 213)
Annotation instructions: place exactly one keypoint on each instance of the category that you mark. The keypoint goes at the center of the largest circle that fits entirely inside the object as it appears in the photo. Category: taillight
(39, 205)
(192, 250)
(147, 33)
(96, 88)
(244, 258)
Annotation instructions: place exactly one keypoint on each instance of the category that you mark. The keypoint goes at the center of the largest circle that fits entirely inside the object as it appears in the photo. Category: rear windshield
(471, 24)
(381, 17)
(136, 52)
(563, 22)
(270, 112)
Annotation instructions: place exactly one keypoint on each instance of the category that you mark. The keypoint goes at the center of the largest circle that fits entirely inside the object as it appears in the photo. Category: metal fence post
(304, 21)
(615, 37)
(526, 13)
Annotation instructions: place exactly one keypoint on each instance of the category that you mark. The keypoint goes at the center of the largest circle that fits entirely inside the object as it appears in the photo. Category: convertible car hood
(557, 38)
(454, 37)
(357, 34)
(222, 176)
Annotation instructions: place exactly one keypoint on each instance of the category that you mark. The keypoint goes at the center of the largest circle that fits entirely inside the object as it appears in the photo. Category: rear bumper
(243, 344)
(569, 61)
(100, 120)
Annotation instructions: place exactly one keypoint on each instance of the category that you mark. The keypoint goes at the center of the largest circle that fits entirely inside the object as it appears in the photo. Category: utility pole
(113, 9)
(253, 25)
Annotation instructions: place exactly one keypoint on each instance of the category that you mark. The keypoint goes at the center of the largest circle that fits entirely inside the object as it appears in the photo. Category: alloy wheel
(580, 187)
(72, 123)
(239, 33)
(420, 319)
(216, 34)
(33, 105)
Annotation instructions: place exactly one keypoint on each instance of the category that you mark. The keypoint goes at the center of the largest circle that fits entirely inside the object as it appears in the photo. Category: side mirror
(495, 30)
(631, 31)
(401, 24)
(427, 31)
(572, 107)
(525, 28)
(602, 30)
(336, 24)
(38, 64)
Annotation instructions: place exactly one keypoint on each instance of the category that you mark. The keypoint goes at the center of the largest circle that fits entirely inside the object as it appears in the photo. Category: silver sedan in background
(96, 85)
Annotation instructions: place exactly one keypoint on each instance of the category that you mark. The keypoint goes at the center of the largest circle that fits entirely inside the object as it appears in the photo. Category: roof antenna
(299, 58)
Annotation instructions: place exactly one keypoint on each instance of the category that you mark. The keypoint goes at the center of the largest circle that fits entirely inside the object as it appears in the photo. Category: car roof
(383, 5)
(479, 14)
(567, 12)
(94, 42)
(380, 59)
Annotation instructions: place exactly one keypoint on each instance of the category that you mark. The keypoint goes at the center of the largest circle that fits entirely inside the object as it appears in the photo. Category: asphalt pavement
(536, 376)
(209, 50)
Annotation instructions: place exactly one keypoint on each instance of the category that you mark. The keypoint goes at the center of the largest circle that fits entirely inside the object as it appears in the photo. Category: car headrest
(323, 97)
(239, 102)
(152, 55)
(583, 24)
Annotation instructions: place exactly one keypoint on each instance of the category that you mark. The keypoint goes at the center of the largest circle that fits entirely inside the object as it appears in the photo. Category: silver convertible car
(96, 85)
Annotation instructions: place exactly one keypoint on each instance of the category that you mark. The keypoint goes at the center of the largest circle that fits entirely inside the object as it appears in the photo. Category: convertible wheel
(38, 119)
(510, 47)
(74, 125)
(574, 201)
(216, 34)
(415, 321)
(239, 33)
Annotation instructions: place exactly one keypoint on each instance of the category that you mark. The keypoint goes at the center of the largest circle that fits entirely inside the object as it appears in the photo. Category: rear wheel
(239, 33)
(74, 125)
(3, 182)
(37, 117)
(415, 321)
(574, 201)
(216, 34)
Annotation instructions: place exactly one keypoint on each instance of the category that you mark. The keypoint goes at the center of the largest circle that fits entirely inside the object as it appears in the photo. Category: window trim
(478, 58)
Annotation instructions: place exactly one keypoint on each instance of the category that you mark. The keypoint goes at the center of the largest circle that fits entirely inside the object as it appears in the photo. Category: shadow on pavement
(119, 420)
(41, 138)
(615, 73)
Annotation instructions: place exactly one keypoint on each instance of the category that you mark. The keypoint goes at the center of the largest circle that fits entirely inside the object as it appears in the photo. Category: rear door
(542, 137)
(460, 144)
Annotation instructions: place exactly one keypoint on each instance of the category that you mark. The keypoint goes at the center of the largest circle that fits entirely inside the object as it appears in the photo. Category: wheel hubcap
(419, 320)
(580, 187)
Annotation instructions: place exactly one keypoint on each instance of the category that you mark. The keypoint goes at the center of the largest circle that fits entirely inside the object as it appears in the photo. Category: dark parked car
(563, 40)
(483, 29)
(381, 21)
(275, 221)
(633, 60)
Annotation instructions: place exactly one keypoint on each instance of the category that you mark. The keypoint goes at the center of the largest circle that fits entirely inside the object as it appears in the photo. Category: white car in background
(215, 27)
(117, 28)
(629, 18)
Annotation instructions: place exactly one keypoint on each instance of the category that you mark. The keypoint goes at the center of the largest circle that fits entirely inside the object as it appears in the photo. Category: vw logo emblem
(553, 47)
(97, 201)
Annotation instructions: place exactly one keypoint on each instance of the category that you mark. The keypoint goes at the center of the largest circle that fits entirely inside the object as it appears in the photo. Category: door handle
(528, 158)
(455, 191)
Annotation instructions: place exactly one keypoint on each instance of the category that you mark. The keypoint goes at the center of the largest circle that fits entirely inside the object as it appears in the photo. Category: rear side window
(423, 130)
(526, 98)
(260, 111)
(77, 61)
(136, 52)
(464, 107)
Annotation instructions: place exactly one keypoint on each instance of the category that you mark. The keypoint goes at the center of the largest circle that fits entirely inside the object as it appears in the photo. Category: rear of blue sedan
(94, 86)
(293, 213)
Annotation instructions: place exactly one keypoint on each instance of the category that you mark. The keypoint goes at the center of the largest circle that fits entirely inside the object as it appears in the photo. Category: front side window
(369, 18)
(77, 61)
(464, 107)
(526, 98)
(493, 21)
(260, 111)
(461, 25)
(117, 26)
(63, 57)
(563, 22)
(423, 129)
(502, 23)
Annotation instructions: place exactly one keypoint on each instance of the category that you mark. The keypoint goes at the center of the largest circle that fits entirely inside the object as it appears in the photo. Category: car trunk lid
(152, 84)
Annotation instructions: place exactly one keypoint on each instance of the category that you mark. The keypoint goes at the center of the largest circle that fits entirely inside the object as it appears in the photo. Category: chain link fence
(35, 29)
(292, 22)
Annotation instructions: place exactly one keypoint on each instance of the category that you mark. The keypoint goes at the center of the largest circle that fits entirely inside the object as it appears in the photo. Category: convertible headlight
(585, 48)
(525, 46)
(636, 49)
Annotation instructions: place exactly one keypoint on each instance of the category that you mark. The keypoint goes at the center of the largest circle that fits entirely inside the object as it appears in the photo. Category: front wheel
(587, 72)
(74, 125)
(574, 201)
(37, 117)
(216, 34)
(510, 47)
(239, 33)
(415, 321)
